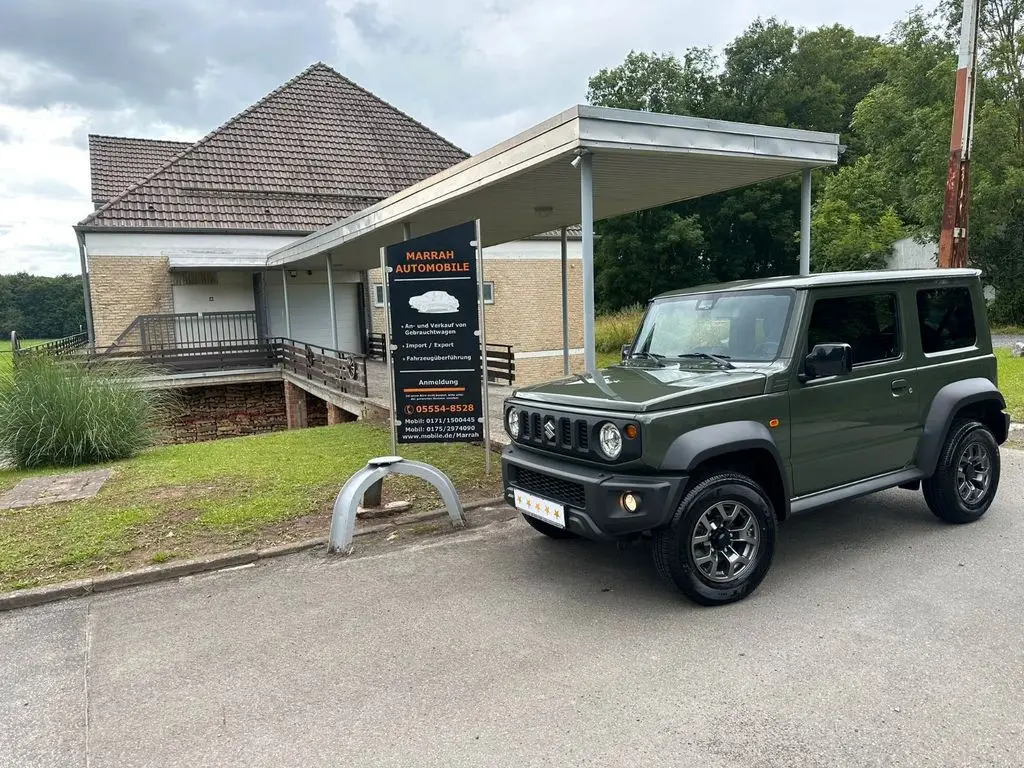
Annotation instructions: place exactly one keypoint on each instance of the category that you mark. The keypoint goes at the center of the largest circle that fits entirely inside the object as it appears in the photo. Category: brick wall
(124, 287)
(227, 410)
(527, 308)
(536, 370)
(316, 411)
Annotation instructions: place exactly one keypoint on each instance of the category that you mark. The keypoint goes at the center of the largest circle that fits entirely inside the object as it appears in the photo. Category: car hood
(638, 389)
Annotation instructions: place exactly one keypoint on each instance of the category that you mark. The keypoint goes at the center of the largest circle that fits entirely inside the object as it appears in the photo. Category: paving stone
(52, 489)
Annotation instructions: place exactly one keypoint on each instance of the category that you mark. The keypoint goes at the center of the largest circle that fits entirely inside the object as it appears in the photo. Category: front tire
(719, 546)
(967, 475)
(548, 529)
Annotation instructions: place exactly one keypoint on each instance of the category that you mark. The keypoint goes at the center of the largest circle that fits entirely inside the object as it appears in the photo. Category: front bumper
(591, 495)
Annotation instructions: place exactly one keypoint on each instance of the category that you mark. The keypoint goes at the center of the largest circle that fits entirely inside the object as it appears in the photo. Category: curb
(25, 598)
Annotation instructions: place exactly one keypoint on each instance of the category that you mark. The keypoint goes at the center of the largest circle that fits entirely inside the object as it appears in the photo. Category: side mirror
(828, 360)
(626, 349)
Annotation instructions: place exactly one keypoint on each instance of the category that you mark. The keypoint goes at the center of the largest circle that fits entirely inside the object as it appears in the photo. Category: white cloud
(476, 71)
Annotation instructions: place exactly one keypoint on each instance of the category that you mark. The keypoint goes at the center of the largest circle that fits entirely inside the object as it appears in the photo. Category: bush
(613, 330)
(60, 413)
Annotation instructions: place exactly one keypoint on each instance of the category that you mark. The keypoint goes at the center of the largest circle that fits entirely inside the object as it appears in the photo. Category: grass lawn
(185, 500)
(1011, 382)
(5, 352)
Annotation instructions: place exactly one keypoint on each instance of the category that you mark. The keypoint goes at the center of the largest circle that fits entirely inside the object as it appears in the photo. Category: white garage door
(311, 316)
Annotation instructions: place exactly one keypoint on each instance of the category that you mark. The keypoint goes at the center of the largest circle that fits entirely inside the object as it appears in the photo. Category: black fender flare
(947, 401)
(691, 449)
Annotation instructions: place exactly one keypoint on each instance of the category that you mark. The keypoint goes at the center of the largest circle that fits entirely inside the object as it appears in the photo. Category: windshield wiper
(721, 360)
(647, 356)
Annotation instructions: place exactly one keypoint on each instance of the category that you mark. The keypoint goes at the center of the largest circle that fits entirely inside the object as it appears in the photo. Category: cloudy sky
(476, 71)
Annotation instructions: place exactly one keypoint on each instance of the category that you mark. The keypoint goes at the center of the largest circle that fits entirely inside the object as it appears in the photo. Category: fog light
(630, 502)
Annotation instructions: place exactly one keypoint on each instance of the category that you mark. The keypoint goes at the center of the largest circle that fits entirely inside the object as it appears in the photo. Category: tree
(41, 307)
(655, 82)
(772, 74)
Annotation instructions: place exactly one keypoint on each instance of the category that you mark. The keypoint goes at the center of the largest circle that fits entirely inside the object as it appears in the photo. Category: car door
(857, 426)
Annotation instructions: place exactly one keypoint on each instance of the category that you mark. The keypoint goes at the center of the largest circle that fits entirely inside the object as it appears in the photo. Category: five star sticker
(546, 508)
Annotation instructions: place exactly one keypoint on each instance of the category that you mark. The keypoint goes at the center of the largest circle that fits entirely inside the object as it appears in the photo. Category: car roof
(829, 279)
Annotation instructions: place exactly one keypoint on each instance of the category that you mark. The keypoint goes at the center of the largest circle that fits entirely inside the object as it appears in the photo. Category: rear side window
(869, 324)
(946, 317)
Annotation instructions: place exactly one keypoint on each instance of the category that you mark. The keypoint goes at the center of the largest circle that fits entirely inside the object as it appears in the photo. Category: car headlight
(611, 441)
(512, 422)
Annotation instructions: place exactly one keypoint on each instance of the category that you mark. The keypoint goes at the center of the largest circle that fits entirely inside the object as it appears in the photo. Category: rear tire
(719, 546)
(548, 529)
(967, 475)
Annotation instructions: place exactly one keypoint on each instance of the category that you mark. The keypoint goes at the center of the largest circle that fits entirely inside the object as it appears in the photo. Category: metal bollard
(343, 519)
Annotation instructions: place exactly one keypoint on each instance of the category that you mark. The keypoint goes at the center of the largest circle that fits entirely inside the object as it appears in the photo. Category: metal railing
(341, 371)
(186, 330)
(227, 355)
(375, 343)
(64, 346)
(501, 360)
(501, 364)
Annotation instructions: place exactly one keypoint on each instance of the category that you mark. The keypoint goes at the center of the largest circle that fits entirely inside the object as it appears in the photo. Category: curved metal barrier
(343, 519)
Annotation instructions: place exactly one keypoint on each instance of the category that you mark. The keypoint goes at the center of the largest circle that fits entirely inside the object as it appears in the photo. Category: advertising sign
(433, 309)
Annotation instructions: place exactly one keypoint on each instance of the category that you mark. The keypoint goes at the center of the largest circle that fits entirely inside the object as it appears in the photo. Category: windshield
(743, 325)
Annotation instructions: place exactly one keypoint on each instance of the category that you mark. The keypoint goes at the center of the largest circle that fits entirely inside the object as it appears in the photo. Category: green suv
(739, 404)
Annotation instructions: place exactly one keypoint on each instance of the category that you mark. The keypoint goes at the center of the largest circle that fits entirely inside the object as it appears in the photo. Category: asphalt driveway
(880, 637)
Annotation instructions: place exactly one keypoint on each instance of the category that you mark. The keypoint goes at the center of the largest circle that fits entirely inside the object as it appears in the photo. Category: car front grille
(564, 434)
(553, 488)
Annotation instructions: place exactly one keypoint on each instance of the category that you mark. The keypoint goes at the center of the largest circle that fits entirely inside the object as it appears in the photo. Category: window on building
(946, 316)
(193, 277)
(869, 324)
(378, 294)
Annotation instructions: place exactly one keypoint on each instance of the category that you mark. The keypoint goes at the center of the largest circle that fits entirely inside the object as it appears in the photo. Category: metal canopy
(526, 185)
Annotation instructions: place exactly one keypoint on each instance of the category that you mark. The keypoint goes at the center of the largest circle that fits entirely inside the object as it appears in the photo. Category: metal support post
(587, 222)
(483, 348)
(287, 315)
(389, 353)
(805, 222)
(334, 310)
(565, 303)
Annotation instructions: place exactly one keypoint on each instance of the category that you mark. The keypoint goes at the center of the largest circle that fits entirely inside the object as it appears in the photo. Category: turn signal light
(632, 431)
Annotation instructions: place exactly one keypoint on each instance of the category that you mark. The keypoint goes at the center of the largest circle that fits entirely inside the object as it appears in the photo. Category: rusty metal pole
(953, 237)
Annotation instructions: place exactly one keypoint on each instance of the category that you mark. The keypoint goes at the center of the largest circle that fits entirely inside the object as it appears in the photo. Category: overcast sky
(476, 71)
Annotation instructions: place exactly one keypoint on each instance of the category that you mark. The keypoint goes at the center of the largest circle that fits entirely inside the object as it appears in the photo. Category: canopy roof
(527, 185)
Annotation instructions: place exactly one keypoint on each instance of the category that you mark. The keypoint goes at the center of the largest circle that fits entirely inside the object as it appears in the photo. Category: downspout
(86, 292)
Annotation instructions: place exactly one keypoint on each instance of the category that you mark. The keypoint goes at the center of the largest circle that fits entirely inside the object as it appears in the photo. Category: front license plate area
(549, 511)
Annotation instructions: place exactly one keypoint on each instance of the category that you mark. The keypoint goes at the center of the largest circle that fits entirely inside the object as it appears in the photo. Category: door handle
(899, 386)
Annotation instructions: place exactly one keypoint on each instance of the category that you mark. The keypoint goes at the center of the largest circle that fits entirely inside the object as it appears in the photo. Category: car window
(742, 325)
(869, 324)
(946, 317)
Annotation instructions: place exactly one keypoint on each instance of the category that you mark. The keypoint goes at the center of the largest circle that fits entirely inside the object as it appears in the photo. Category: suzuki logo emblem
(549, 428)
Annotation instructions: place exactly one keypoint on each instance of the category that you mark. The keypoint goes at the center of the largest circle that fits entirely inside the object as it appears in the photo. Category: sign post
(435, 337)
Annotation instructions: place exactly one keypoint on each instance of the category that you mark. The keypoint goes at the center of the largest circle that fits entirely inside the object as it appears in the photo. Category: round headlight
(611, 441)
(512, 422)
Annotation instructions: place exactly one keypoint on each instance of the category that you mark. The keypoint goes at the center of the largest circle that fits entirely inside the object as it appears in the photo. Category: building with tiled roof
(119, 162)
(310, 153)
(181, 230)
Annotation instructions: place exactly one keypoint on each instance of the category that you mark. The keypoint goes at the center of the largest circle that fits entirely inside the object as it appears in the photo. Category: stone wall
(124, 287)
(227, 410)
(316, 411)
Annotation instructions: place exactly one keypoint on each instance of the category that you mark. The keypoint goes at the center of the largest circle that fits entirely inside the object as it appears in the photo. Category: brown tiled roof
(118, 162)
(314, 151)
